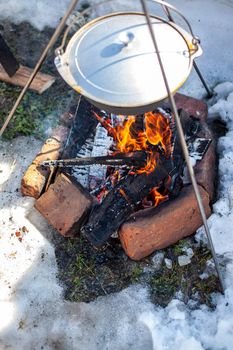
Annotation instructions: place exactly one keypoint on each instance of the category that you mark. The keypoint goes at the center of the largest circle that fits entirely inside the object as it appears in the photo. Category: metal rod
(183, 145)
(208, 90)
(39, 63)
(137, 158)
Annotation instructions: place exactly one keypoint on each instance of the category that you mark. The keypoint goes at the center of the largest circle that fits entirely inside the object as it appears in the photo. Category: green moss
(77, 282)
(165, 284)
(30, 116)
(34, 116)
(80, 263)
(178, 247)
(136, 274)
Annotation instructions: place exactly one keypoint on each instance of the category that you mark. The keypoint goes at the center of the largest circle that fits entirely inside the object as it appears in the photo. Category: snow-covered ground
(33, 314)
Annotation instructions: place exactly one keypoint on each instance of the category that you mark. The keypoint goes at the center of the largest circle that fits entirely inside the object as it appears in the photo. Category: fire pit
(99, 200)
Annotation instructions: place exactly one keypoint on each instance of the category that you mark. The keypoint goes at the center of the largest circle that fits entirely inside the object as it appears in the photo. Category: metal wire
(39, 64)
(183, 145)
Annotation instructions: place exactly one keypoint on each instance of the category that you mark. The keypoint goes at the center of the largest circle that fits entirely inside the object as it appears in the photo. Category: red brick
(33, 181)
(194, 107)
(157, 228)
(35, 178)
(65, 205)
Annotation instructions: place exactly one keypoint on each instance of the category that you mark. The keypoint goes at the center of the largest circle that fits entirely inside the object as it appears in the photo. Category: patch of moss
(164, 284)
(167, 282)
(178, 247)
(32, 117)
(136, 274)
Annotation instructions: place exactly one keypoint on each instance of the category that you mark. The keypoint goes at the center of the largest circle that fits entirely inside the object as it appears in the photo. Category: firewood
(121, 201)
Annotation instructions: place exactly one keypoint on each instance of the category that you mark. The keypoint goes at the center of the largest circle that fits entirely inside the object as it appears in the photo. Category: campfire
(115, 169)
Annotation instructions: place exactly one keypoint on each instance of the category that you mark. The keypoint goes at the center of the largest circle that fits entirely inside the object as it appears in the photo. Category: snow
(33, 312)
(40, 13)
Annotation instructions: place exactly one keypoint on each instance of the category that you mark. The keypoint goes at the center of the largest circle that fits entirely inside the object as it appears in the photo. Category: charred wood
(122, 201)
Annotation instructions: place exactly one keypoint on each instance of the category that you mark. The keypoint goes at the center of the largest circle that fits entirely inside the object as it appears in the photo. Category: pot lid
(112, 60)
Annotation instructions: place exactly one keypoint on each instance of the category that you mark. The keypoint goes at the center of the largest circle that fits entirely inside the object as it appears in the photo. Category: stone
(189, 252)
(157, 228)
(157, 260)
(168, 263)
(65, 205)
(34, 180)
(184, 260)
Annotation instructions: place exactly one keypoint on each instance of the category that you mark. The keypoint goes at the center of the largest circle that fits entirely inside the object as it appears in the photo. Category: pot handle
(78, 17)
(165, 5)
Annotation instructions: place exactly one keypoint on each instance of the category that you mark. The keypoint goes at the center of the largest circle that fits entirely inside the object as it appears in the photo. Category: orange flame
(157, 133)
(157, 197)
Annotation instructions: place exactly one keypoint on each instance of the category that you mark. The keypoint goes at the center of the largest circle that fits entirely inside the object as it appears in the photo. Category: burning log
(124, 198)
(122, 201)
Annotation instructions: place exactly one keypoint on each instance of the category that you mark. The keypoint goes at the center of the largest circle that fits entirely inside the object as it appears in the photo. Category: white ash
(91, 176)
(82, 173)
(193, 150)
(165, 113)
(101, 145)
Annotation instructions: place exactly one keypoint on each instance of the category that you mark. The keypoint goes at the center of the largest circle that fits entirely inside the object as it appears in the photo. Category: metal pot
(111, 61)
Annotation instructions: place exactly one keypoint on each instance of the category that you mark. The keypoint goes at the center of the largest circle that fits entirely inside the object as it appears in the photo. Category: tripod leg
(209, 92)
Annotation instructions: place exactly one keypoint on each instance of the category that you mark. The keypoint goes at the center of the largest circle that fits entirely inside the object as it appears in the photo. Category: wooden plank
(41, 82)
